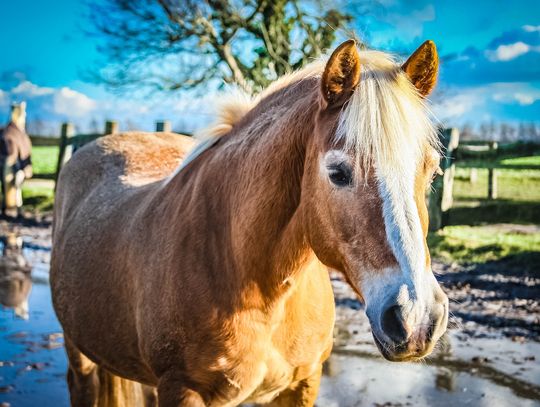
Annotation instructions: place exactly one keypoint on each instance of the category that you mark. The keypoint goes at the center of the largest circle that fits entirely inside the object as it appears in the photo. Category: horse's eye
(340, 174)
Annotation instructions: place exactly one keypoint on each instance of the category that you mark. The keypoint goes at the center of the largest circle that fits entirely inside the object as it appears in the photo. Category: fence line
(69, 142)
(473, 155)
(469, 154)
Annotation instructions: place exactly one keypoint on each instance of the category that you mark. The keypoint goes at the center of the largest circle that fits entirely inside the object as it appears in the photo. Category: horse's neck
(255, 174)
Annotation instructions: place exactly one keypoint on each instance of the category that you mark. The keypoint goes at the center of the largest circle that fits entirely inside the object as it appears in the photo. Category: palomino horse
(210, 283)
(15, 161)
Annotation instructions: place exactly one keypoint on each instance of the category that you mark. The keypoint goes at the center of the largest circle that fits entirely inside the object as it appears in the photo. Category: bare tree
(531, 132)
(505, 132)
(522, 132)
(94, 127)
(467, 132)
(179, 44)
(36, 126)
(485, 133)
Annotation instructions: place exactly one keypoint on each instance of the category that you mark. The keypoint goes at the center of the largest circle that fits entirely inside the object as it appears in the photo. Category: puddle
(464, 371)
(32, 358)
(360, 379)
(355, 376)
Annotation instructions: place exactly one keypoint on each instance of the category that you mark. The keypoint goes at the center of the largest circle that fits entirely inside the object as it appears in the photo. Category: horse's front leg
(173, 392)
(82, 378)
(301, 394)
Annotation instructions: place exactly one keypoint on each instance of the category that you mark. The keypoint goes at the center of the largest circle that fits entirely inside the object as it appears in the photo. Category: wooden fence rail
(473, 155)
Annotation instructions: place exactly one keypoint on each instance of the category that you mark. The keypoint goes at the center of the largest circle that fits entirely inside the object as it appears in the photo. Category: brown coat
(16, 147)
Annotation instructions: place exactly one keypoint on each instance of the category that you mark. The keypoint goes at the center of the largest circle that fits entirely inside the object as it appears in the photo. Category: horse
(15, 158)
(209, 284)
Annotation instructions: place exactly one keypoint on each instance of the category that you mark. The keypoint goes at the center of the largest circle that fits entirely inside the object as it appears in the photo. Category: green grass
(525, 161)
(475, 234)
(479, 244)
(512, 185)
(38, 197)
(44, 160)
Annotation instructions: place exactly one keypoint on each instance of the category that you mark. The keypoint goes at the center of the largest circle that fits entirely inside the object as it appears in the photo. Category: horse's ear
(422, 67)
(341, 74)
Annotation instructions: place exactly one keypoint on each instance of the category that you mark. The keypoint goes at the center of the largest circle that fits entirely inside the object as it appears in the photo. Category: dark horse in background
(15, 158)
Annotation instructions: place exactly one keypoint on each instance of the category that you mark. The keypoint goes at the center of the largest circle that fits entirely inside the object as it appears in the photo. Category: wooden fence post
(111, 127)
(492, 173)
(67, 131)
(440, 198)
(473, 175)
(164, 125)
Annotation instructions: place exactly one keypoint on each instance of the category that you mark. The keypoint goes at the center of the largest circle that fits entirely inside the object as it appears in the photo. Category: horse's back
(113, 167)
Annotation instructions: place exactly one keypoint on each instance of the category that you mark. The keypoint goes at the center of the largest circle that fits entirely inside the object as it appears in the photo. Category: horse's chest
(282, 359)
(272, 375)
(279, 377)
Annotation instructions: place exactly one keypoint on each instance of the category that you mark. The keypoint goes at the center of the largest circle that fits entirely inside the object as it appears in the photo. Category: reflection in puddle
(32, 358)
(15, 281)
(445, 379)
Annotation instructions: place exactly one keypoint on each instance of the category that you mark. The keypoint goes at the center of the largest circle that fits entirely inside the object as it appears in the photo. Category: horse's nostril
(393, 325)
(430, 330)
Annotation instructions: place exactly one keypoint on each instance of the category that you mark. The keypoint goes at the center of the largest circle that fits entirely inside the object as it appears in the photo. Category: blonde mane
(385, 119)
(231, 108)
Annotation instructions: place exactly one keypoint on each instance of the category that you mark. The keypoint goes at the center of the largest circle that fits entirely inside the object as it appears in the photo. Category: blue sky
(490, 53)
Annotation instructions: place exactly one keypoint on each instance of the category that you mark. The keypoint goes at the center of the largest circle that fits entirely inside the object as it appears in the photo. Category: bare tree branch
(247, 42)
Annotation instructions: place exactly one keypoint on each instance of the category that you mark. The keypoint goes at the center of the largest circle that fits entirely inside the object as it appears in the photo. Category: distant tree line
(505, 132)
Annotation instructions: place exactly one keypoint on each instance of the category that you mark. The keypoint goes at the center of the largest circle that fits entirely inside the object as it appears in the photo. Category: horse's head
(372, 157)
(18, 114)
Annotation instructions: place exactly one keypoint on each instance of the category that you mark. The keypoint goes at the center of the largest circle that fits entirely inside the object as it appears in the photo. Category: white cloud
(457, 105)
(411, 24)
(71, 103)
(51, 106)
(508, 52)
(524, 98)
(454, 107)
(30, 89)
(531, 28)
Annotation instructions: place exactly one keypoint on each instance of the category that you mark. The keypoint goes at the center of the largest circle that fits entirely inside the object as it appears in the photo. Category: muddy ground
(489, 357)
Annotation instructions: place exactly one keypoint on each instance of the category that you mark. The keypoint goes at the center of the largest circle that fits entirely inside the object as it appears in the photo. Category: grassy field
(44, 161)
(38, 196)
(479, 244)
(512, 185)
(472, 238)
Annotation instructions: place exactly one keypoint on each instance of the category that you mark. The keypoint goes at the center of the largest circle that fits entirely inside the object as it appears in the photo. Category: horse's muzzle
(405, 339)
